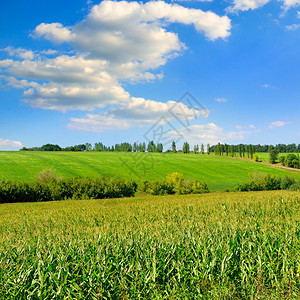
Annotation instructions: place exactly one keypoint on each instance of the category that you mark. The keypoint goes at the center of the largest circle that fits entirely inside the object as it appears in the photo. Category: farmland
(212, 246)
(218, 172)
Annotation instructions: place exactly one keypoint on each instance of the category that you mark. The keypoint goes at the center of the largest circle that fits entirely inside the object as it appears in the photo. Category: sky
(201, 71)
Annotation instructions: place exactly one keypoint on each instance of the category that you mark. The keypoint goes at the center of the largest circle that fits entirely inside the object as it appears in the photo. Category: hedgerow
(72, 188)
(267, 182)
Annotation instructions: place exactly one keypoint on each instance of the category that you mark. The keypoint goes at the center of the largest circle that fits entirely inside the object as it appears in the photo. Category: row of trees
(241, 150)
(123, 147)
(281, 148)
(233, 150)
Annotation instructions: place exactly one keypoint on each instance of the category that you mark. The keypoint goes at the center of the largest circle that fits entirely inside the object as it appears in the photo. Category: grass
(212, 246)
(218, 172)
(265, 156)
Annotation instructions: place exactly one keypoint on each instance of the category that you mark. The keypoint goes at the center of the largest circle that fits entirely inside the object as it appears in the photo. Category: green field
(212, 246)
(218, 172)
(265, 156)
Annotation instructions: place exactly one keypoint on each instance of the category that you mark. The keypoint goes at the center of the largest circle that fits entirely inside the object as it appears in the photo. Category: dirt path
(282, 167)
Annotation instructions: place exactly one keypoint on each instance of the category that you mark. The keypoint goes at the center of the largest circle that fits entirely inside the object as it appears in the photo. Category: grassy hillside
(213, 246)
(217, 172)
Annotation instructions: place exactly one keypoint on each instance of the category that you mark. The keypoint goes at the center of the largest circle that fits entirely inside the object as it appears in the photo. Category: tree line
(242, 150)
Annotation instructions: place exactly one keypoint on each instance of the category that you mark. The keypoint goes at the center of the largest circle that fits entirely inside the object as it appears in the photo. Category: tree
(186, 148)
(98, 147)
(208, 149)
(50, 147)
(292, 161)
(248, 151)
(88, 147)
(151, 147)
(202, 148)
(196, 149)
(240, 150)
(251, 151)
(273, 156)
(174, 147)
(232, 150)
(159, 147)
(135, 147)
(226, 149)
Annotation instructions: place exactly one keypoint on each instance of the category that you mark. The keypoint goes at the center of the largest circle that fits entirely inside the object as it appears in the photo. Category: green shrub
(175, 184)
(267, 182)
(292, 161)
(282, 160)
(47, 175)
(73, 188)
(286, 182)
(295, 186)
(273, 156)
(157, 188)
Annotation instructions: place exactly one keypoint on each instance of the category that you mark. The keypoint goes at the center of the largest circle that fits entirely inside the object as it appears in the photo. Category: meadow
(218, 172)
(209, 246)
(265, 156)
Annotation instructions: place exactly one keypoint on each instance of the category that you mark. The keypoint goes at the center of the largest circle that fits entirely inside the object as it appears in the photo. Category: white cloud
(277, 124)
(49, 52)
(137, 112)
(244, 5)
(208, 133)
(238, 126)
(20, 52)
(292, 27)
(287, 4)
(9, 144)
(117, 41)
(221, 100)
(54, 32)
(266, 85)
(252, 126)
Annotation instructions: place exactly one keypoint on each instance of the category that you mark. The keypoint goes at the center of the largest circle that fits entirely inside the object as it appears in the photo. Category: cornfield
(210, 246)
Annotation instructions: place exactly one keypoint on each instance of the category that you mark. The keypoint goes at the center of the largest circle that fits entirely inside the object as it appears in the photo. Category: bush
(295, 186)
(273, 156)
(286, 182)
(175, 184)
(157, 188)
(282, 160)
(266, 182)
(73, 188)
(47, 175)
(292, 161)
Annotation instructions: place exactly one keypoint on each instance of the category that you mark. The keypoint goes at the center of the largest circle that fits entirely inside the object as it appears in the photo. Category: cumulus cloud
(244, 5)
(115, 42)
(20, 53)
(209, 133)
(54, 32)
(277, 124)
(287, 4)
(9, 144)
(137, 112)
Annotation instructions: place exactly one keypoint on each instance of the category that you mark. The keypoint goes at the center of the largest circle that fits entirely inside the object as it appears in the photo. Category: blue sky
(85, 71)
